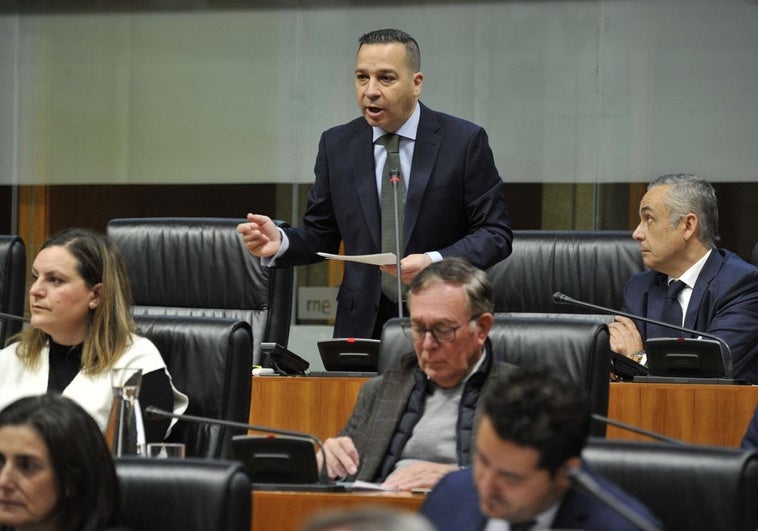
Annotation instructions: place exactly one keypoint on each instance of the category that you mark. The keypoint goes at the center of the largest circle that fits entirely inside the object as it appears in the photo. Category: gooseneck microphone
(12, 317)
(586, 483)
(395, 181)
(560, 298)
(639, 431)
(154, 412)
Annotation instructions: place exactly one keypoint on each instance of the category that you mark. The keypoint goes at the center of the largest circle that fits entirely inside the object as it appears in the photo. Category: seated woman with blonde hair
(81, 328)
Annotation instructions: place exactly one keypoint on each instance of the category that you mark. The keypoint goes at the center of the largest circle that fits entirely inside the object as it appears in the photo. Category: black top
(65, 362)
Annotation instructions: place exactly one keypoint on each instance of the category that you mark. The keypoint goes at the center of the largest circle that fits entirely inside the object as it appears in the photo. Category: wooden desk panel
(288, 511)
(703, 414)
(313, 404)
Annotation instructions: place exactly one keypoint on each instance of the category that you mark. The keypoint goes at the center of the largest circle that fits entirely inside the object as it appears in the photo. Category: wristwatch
(639, 356)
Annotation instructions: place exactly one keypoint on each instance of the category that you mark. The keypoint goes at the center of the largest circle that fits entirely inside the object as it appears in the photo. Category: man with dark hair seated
(531, 435)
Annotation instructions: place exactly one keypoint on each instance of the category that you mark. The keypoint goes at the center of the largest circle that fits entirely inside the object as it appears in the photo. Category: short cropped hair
(390, 36)
(83, 466)
(536, 409)
(458, 271)
(690, 193)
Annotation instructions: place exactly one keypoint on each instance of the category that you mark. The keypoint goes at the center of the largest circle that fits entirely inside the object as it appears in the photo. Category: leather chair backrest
(591, 266)
(575, 346)
(688, 487)
(12, 283)
(754, 256)
(183, 494)
(199, 266)
(209, 359)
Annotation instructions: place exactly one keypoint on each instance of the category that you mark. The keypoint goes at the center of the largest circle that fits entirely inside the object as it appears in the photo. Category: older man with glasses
(412, 425)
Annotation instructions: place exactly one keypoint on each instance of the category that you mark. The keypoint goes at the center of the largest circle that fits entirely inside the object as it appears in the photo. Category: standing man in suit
(677, 233)
(451, 189)
(413, 424)
(531, 434)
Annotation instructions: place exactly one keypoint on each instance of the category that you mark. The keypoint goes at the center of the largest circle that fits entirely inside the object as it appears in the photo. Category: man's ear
(485, 324)
(691, 226)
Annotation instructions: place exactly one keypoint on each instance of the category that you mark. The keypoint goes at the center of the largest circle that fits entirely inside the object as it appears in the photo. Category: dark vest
(414, 409)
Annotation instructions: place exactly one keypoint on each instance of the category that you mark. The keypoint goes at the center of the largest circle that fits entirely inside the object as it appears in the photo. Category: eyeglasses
(440, 333)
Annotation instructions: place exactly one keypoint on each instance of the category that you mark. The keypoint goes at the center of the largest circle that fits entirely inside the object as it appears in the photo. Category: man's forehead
(388, 55)
(438, 300)
(654, 199)
(505, 454)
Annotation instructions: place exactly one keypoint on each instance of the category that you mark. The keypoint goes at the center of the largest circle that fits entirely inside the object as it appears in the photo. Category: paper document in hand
(373, 259)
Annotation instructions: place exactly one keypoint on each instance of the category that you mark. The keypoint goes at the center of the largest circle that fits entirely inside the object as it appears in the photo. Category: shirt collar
(477, 365)
(689, 277)
(407, 130)
(543, 520)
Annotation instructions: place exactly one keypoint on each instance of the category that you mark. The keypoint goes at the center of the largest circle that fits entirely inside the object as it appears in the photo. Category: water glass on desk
(166, 450)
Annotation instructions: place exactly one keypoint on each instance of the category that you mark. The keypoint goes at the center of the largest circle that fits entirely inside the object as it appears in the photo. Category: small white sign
(317, 304)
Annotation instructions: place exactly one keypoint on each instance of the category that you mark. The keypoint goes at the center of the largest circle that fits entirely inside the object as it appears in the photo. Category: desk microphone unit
(272, 463)
(282, 360)
(672, 360)
(349, 356)
(639, 431)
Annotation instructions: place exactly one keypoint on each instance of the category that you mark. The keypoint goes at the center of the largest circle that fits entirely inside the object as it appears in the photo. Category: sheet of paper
(373, 259)
(365, 485)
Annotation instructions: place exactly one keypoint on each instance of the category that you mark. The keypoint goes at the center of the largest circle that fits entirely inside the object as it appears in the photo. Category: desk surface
(288, 511)
(702, 414)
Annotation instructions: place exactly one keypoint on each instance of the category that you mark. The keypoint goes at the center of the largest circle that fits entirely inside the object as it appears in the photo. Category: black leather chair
(12, 283)
(183, 494)
(209, 359)
(591, 266)
(754, 255)
(688, 487)
(198, 266)
(575, 346)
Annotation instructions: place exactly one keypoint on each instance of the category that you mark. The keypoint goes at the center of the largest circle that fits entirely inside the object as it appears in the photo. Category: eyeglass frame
(409, 332)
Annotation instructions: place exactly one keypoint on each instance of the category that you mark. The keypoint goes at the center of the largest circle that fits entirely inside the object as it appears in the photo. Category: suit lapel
(573, 511)
(710, 269)
(364, 176)
(428, 140)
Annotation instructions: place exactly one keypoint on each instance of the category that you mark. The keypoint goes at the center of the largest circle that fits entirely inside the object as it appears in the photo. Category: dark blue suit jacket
(724, 303)
(453, 505)
(454, 205)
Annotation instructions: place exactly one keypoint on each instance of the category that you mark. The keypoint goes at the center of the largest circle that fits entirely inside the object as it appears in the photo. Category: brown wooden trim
(636, 191)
